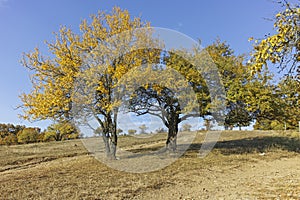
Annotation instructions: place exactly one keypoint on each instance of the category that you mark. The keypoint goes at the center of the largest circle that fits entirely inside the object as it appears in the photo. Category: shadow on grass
(238, 146)
(253, 145)
(147, 149)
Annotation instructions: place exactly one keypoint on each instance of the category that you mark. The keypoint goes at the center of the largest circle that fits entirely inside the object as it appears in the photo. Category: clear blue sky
(27, 24)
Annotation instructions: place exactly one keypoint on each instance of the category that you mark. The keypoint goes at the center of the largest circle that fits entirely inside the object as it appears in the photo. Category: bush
(131, 131)
(40, 137)
(61, 131)
(73, 136)
(10, 139)
(160, 130)
(276, 125)
(186, 127)
(49, 136)
(28, 135)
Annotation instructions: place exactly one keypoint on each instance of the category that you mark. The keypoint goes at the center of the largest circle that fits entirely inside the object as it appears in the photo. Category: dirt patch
(278, 179)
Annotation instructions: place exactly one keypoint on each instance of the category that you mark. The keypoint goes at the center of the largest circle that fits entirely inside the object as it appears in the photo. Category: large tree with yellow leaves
(91, 63)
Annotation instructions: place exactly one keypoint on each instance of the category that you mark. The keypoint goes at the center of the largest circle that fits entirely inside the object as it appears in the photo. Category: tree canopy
(115, 63)
(283, 47)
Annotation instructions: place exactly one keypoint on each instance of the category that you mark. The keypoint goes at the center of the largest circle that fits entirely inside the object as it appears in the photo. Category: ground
(243, 165)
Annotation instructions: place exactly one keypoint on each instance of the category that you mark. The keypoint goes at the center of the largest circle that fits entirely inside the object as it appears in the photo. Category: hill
(243, 165)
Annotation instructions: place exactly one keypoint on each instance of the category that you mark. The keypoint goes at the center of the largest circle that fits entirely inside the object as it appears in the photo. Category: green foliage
(237, 115)
(276, 125)
(277, 106)
(235, 79)
(288, 92)
(28, 135)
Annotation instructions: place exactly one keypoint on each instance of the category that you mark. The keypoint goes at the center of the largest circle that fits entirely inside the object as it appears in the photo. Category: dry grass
(234, 169)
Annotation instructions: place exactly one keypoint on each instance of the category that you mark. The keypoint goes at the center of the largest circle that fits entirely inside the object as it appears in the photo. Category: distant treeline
(11, 134)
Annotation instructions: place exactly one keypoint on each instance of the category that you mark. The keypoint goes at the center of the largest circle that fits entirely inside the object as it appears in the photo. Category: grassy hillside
(243, 164)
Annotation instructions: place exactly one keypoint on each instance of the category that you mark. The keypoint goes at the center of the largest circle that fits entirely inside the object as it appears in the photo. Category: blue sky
(27, 24)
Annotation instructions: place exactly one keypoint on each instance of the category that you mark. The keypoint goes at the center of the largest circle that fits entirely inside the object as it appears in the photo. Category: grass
(65, 170)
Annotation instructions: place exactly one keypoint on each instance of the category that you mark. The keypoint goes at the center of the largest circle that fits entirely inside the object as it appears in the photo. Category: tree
(52, 78)
(282, 48)
(186, 127)
(98, 91)
(61, 131)
(237, 115)
(143, 129)
(8, 133)
(28, 135)
(160, 130)
(288, 94)
(92, 62)
(175, 92)
(235, 78)
(101, 96)
(119, 131)
(207, 124)
(131, 131)
(262, 101)
(161, 100)
(274, 106)
(10, 139)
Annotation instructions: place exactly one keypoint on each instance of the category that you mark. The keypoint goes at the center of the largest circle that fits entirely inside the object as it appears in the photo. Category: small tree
(207, 124)
(131, 131)
(98, 131)
(160, 130)
(143, 128)
(119, 131)
(61, 131)
(186, 127)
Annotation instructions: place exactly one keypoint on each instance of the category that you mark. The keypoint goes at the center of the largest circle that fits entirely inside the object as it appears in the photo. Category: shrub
(61, 131)
(27, 135)
(131, 131)
(186, 127)
(160, 130)
(10, 139)
(40, 137)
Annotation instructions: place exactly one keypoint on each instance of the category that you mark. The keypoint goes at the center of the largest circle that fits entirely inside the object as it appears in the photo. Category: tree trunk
(171, 143)
(105, 136)
(113, 141)
(110, 138)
